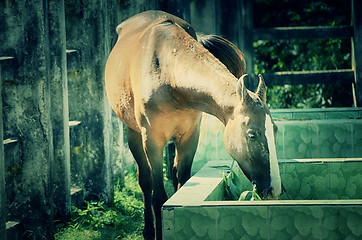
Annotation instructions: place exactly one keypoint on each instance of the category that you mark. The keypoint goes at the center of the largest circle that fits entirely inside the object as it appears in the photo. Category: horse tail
(225, 51)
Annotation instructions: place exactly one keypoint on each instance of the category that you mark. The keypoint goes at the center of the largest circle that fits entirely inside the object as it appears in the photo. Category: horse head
(250, 139)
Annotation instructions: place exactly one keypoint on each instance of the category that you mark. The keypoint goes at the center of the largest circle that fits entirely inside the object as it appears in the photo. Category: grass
(232, 192)
(122, 220)
(96, 221)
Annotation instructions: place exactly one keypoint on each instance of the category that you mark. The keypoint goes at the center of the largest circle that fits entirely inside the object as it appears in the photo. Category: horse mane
(225, 51)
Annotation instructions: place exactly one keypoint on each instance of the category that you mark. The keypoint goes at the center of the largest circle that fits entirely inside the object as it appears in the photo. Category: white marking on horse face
(275, 181)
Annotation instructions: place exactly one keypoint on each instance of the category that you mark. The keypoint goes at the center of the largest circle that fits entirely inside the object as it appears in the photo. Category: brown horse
(159, 80)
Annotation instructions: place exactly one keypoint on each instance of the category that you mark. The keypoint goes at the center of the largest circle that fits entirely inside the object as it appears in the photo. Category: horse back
(142, 56)
(144, 20)
(132, 56)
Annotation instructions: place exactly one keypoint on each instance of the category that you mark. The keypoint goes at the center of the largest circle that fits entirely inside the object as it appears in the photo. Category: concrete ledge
(316, 113)
(13, 230)
(73, 60)
(9, 67)
(77, 196)
(201, 186)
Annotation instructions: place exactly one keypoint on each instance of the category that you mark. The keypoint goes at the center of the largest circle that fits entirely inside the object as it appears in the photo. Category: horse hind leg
(154, 154)
(144, 180)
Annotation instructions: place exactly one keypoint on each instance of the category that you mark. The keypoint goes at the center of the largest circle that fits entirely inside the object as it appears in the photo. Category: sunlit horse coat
(159, 80)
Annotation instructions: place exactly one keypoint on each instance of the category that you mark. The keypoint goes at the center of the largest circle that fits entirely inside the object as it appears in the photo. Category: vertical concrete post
(2, 171)
(237, 26)
(59, 107)
(86, 30)
(128, 8)
(27, 112)
(245, 38)
(180, 8)
(203, 16)
(357, 48)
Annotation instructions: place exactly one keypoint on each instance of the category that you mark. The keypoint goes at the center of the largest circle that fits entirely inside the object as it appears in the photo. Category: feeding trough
(320, 165)
(325, 203)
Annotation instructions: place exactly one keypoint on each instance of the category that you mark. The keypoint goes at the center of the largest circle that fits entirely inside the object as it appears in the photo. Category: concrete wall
(44, 86)
(2, 173)
(87, 33)
(26, 33)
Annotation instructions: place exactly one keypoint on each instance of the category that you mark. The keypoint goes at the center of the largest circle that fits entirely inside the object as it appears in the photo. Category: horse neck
(205, 84)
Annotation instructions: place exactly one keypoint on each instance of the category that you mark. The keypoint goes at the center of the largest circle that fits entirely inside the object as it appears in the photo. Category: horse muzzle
(270, 193)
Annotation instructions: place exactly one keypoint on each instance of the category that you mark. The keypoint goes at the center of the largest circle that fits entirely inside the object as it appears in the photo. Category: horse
(160, 77)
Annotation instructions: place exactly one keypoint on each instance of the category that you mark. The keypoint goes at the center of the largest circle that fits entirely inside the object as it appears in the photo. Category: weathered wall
(203, 16)
(87, 33)
(34, 107)
(2, 172)
(27, 116)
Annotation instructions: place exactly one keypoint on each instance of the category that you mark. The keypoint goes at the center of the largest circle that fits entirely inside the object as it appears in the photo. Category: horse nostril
(266, 193)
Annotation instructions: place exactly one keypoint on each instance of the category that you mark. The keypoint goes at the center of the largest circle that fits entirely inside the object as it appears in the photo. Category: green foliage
(250, 195)
(95, 215)
(77, 234)
(229, 177)
(298, 96)
(232, 192)
(298, 55)
(304, 55)
(285, 13)
(123, 219)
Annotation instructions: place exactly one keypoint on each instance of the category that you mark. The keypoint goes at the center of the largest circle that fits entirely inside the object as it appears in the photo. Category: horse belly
(175, 124)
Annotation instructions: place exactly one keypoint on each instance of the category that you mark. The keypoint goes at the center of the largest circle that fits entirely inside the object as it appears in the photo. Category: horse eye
(252, 134)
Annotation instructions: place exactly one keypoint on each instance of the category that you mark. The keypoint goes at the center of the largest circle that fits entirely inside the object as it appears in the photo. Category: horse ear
(242, 90)
(261, 91)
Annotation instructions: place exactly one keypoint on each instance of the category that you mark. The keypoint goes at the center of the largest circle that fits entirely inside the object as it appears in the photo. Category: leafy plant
(304, 55)
(250, 195)
(123, 219)
(232, 192)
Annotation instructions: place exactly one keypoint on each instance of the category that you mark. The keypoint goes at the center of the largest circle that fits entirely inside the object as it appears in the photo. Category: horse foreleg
(154, 154)
(144, 180)
(185, 151)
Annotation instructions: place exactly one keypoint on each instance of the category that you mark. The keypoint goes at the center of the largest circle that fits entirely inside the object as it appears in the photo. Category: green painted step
(317, 113)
